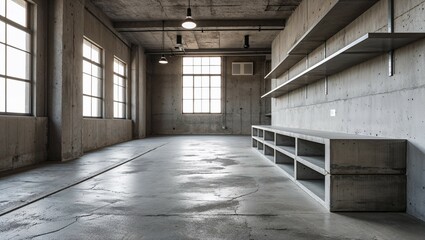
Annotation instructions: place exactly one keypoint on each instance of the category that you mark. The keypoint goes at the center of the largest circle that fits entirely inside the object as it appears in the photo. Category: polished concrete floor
(183, 187)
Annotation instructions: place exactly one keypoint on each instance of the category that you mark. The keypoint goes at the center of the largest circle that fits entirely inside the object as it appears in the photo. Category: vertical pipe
(391, 30)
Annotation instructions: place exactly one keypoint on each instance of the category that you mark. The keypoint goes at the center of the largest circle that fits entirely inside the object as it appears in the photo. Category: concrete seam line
(93, 175)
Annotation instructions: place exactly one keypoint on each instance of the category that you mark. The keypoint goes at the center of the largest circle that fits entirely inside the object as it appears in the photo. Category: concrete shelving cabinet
(344, 172)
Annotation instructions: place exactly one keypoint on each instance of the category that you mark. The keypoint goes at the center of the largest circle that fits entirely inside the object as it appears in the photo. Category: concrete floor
(186, 187)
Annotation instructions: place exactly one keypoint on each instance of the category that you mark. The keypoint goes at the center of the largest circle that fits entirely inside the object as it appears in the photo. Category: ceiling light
(163, 60)
(246, 42)
(188, 22)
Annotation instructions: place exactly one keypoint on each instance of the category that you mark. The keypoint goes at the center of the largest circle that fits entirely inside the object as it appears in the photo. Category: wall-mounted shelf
(343, 172)
(363, 49)
(341, 14)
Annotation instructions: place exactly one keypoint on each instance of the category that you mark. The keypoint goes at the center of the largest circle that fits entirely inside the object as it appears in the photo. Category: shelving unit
(339, 16)
(367, 47)
(343, 172)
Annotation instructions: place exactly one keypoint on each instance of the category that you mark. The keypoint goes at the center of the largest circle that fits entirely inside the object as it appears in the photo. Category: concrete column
(66, 23)
(138, 91)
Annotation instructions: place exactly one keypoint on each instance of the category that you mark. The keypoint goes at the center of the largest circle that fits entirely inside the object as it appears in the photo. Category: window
(120, 83)
(15, 57)
(92, 80)
(201, 85)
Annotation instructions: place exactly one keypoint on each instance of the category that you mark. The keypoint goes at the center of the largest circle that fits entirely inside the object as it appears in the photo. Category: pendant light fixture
(163, 60)
(188, 22)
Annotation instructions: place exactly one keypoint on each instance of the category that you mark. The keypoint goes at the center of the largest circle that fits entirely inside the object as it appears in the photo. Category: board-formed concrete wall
(103, 132)
(243, 106)
(23, 139)
(367, 101)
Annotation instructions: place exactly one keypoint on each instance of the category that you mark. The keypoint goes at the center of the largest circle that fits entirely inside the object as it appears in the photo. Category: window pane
(215, 61)
(96, 106)
(205, 93)
(197, 106)
(17, 11)
(205, 106)
(96, 87)
(205, 61)
(120, 94)
(18, 93)
(115, 66)
(2, 95)
(198, 81)
(2, 7)
(187, 93)
(2, 59)
(96, 71)
(215, 93)
(197, 70)
(187, 70)
(205, 69)
(95, 54)
(215, 69)
(116, 110)
(18, 38)
(205, 81)
(116, 93)
(86, 49)
(187, 106)
(198, 93)
(86, 67)
(121, 68)
(86, 84)
(197, 61)
(86, 106)
(187, 81)
(215, 106)
(121, 81)
(215, 81)
(187, 61)
(2, 32)
(17, 63)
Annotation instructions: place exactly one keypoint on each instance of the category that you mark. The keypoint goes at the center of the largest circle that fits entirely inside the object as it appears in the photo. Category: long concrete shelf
(341, 171)
(339, 16)
(367, 47)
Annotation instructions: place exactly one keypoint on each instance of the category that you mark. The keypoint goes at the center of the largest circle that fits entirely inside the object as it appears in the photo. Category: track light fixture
(188, 22)
(163, 60)
(246, 42)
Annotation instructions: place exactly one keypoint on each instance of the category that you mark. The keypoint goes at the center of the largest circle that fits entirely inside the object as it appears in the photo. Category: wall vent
(242, 68)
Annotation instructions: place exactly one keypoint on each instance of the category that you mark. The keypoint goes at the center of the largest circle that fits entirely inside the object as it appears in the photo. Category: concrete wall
(242, 106)
(367, 101)
(98, 133)
(23, 139)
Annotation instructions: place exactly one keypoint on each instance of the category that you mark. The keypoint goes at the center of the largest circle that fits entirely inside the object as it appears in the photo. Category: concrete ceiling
(222, 24)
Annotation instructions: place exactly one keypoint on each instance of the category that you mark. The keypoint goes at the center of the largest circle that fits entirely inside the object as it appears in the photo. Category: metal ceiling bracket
(391, 30)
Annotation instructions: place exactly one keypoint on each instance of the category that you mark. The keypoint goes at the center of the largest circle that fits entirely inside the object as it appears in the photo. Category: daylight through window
(120, 83)
(15, 57)
(201, 85)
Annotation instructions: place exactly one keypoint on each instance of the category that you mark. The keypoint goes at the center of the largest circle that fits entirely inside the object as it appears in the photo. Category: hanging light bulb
(163, 60)
(188, 22)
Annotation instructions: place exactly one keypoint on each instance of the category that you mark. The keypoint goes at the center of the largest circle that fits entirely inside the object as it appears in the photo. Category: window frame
(124, 77)
(209, 75)
(28, 29)
(100, 65)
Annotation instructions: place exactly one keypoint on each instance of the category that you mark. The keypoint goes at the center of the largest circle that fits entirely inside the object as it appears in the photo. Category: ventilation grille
(242, 68)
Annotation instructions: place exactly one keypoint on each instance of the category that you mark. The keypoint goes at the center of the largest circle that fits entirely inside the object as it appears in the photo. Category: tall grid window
(15, 57)
(201, 85)
(92, 80)
(120, 83)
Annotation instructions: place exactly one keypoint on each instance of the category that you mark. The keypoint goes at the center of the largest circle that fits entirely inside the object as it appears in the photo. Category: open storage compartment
(254, 143)
(285, 162)
(269, 152)
(269, 137)
(285, 144)
(312, 154)
(312, 180)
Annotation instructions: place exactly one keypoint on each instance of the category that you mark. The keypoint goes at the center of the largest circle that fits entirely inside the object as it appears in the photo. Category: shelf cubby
(343, 172)
(269, 137)
(285, 162)
(260, 133)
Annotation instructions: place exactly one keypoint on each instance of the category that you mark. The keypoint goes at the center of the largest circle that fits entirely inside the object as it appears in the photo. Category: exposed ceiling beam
(211, 51)
(129, 26)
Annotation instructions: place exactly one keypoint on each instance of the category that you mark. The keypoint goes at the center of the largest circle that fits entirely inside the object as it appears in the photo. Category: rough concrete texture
(197, 187)
(366, 100)
(23, 141)
(99, 133)
(242, 106)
